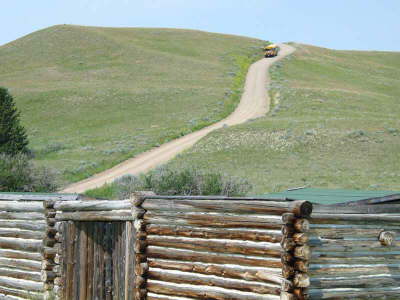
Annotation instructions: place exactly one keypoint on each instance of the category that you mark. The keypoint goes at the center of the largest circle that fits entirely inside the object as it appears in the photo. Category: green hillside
(334, 123)
(91, 97)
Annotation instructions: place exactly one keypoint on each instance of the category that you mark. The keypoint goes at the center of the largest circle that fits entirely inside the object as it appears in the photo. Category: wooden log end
(302, 252)
(301, 280)
(287, 296)
(386, 238)
(138, 198)
(301, 225)
(302, 208)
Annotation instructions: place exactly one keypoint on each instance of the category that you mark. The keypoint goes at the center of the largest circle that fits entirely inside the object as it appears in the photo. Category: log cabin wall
(223, 248)
(22, 232)
(355, 252)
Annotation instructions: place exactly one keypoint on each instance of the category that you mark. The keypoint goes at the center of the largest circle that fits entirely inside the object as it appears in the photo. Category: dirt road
(253, 104)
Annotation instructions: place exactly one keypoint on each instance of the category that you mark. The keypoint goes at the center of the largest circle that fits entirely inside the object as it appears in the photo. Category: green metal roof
(326, 196)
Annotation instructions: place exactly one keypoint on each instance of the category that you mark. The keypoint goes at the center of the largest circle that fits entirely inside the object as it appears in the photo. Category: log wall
(23, 229)
(219, 248)
(355, 255)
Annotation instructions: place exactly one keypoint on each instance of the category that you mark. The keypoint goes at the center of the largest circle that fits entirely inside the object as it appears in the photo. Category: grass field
(334, 123)
(91, 97)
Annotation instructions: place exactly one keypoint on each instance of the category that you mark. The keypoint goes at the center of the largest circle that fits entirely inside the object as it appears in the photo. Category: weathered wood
(301, 280)
(329, 245)
(354, 293)
(354, 269)
(20, 244)
(141, 269)
(354, 218)
(20, 206)
(272, 236)
(288, 244)
(105, 216)
(359, 209)
(187, 290)
(108, 281)
(302, 252)
(301, 265)
(129, 262)
(287, 296)
(20, 274)
(335, 232)
(21, 215)
(215, 245)
(83, 247)
(153, 296)
(300, 208)
(48, 276)
(38, 197)
(231, 271)
(288, 218)
(38, 225)
(362, 281)
(301, 225)
(90, 259)
(300, 238)
(19, 293)
(91, 205)
(26, 285)
(15, 254)
(386, 238)
(213, 220)
(288, 271)
(209, 257)
(205, 280)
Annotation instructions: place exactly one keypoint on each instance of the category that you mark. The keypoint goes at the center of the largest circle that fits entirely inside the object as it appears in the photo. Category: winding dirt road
(254, 103)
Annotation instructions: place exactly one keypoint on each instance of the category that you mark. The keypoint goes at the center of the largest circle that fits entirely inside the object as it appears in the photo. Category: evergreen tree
(13, 138)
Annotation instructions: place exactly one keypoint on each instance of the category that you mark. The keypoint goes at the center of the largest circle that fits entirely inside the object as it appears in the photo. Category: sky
(339, 24)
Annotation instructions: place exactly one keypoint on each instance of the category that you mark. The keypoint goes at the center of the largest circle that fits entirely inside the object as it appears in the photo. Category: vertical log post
(140, 244)
(296, 253)
(50, 266)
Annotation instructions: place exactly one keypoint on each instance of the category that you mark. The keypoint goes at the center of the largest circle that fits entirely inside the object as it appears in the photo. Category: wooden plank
(76, 258)
(108, 246)
(188, 290)
(209, 257)
(98, 260)
(69, 259)
(83, 262)
(217, 245)
(115, 256)
(259, 235)
(90, 259)
(129, 261)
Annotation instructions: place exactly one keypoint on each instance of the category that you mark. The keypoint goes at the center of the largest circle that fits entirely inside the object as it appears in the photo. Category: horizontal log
(27, 285)
(187, 290)
(47, 276)
(214, 220)
(322, 244)
(352, 258)
(38, 225)
(349, 233)
(300, 208)
(5, 253)
(369, 225)
(359, 209)
(21, 215)
(112, 215)
(23, 264)
(340, 281)
(20, 274)
(209, 257)
(273, 236)
(90, 205)
(38, 197)
(153, 296)
(206, 280)
(353, 293)
(20, 233)
(19, 293)
(20, 206)
(361, 269)
(230, 271)
(20, 244)
(215, 245)
(351, 218)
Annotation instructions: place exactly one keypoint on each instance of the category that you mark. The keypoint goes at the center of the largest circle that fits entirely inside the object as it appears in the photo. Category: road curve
(254, 103)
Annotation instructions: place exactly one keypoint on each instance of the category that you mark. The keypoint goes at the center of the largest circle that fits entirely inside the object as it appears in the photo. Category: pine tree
(13, 138)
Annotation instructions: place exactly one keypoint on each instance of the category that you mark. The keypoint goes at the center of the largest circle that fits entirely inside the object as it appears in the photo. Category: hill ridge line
(254, 103)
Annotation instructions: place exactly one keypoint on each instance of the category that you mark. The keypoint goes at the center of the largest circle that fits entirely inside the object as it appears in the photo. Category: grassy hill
(91, 97)
(334, 123)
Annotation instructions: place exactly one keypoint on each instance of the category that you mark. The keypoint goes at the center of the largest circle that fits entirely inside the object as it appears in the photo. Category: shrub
(18, 174)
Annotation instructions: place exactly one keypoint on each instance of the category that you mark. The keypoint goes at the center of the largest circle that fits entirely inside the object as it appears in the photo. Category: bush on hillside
(188, 181)
(19, 174)
(13, 138)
